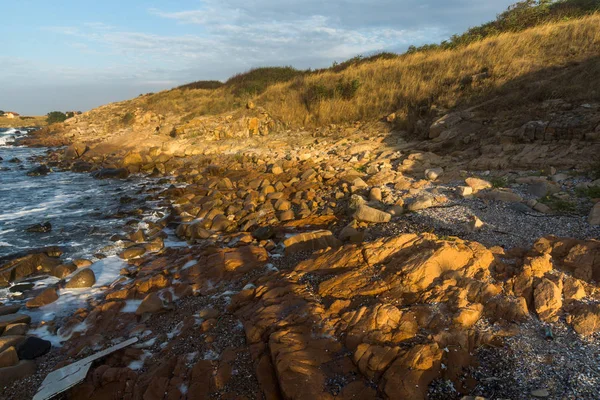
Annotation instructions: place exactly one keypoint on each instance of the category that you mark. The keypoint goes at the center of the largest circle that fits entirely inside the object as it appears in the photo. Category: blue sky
(76, 55)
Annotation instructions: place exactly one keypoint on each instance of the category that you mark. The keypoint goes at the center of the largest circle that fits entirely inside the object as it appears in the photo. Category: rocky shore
(347, 262)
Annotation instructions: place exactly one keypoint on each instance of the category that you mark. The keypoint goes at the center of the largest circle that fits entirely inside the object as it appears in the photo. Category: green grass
(559, 205)
(499, 182)
(591, 192)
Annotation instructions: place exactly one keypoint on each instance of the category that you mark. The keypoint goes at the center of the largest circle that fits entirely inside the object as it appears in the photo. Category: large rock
(310, 241)
(365, 213)
(32, 264)
(9, 357)
(446, 122)
(46, 297)
(10, 319)
(478, 184)
(20, 371)
(111, 173)
(85, 278)
(548, 300)
(10, 341)
(33, 348)
(75, 150)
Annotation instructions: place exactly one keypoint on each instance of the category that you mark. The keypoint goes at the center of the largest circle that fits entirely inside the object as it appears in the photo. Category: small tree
(55, 117)
(1, 113)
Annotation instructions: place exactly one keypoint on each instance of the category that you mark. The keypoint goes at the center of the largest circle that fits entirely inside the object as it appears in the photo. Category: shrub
(257, 80)
(201, 85)
(55, 117)
(1, 113)
(128, 118)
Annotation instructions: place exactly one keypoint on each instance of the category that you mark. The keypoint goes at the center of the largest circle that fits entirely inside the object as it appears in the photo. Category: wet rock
(28, 265)
(10, 319)
(9, 357)
(40, 170)
(111, 173)
(5, 310)
(75, 150)
(46, 297)
(10, 341)
(40, 228)
(365, 213)
(310, 241)
(19, 329)
(33, 348)
(64, 270)
(85, 278)
(20, 371)
(132, 252)
(263, 233)
(151, 304)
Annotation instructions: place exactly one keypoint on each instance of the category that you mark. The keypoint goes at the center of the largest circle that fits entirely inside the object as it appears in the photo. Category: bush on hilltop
(55, 117)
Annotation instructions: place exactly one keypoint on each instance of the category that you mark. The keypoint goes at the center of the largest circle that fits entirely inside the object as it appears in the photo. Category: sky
(79, 54)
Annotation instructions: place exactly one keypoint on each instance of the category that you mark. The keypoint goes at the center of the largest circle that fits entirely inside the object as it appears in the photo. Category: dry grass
(514, 62)
(22, 122)
(558, 60)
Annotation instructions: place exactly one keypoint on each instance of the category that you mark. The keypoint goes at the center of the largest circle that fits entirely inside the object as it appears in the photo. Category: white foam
(131, 306)
(139, 364)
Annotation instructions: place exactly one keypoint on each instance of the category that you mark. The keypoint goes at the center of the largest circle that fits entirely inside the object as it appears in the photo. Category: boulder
(310, 241)
(33, 348)
(111, 173)
(85, 278)
(433, 173)
(151, 304)
(132, 252)
(9, 357)
(547, 299)
(365, 213)
(40, 228)
(478, 184)
(75, 150)
(446, 122)
(421, 202)
(6, 320)
(46, 297)
(20, 371)
(40, 170)
(19, 329)
(10, 341)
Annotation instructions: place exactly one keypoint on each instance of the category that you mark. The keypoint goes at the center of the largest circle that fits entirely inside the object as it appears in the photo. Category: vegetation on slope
(501, 60)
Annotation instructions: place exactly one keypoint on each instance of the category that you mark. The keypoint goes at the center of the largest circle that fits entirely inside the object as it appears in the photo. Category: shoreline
(217, 288)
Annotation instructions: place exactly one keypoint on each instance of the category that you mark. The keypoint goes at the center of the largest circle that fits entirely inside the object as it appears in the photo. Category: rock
(40, 170)
(446, 122)
(33, 348)
(19, 329)
(543, 188)
(5, 310)
(547, 299)
(573, 289)
(375, 194)
(64, 270)
(81, 263)
(46, 297)
(263, 233)
(594, 218)
(276, 170)
(433, 173)
(540, 393)
(10, 319)
(464, 191)
(132, 252)
(9, 357)
(474, 224)
(40, 228)
(85, 278)
(111, 173)
(478, 184)
(365, 213)
(75, 150)
(132, 159)
(151, 304)
(310, 241)
(585, 318)
(20, 371)
(8, 341)
(504, 195)
(421, 202)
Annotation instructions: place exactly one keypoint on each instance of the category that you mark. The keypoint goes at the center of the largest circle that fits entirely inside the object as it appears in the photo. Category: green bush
(201, 85)
(55, 117)
(128, 118)
(256, 81)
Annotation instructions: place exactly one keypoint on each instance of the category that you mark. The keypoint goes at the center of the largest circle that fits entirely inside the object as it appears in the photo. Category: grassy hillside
(556, 58)
(503, 65)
